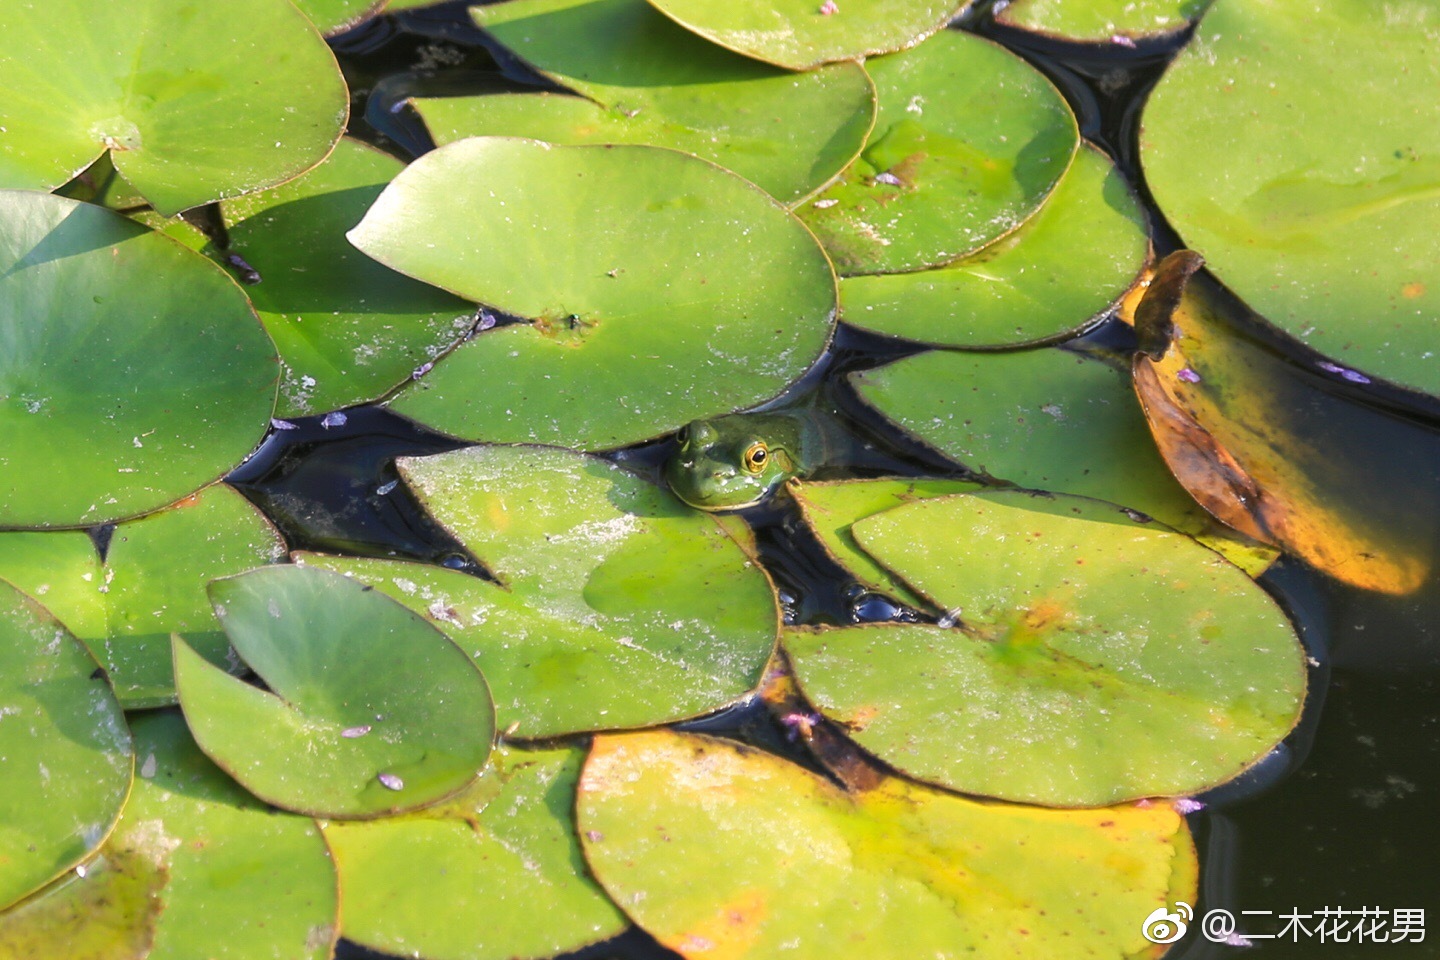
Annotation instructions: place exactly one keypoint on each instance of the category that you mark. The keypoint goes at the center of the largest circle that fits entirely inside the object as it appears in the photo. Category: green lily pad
(1046, 420)
(373, 711)
(969, 140)
(1101, 659)
(494, 873)
(196, 866)
(1049, 279)
(801, 35)
(151, 584)
(831, 509)
(173, 89)
(65, 753)
(720, 850)
(1327, 231)
(126, 346)
(620, 606)
(645, 80)
(335, 16)
(1100, 20)
(348, 329)
(672, 288)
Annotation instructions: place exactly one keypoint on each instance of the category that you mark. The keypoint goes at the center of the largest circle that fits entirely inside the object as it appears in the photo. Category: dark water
(1340, 817)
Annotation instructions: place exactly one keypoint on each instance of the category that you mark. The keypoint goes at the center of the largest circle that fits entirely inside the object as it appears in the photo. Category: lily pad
(672, 288)
(969, 140)
(65, 754)
(1065, 267)
(151, 584)
(1098, 21)
(348, 329)
(1269, 448)
(1327, 231)
(618, 606)
(335, 16)
(831, 509)
(720, 850)
(642, 79)
(1101, 659)
(197, 867)
(126, 346)
(373, 711)
(801, 35)
(173, 89)
(494, 873)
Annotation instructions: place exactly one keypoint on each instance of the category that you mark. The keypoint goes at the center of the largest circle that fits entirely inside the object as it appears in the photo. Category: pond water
(1340, 817)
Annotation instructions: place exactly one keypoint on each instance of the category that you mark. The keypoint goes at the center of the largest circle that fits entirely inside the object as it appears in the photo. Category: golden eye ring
(757, 456)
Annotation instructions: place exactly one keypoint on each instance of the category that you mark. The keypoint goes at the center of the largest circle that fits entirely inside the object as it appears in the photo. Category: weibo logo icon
(1163, 927)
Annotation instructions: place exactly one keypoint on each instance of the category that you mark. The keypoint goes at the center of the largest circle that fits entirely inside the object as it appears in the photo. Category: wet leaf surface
(1329, 230)
(123, 344)
(800, 35)
(152, 584)
(1061, 270)
(645, 80)
(1101, 659)
(196, 865)
(674, 289)
(369, 711)
(899, 871)
(348, 329)
(1098, 21)
(493, 873)
(1262, 449)
(65, 753)
(334, 16)
(621, 607)
(193, 102)
(968, 142)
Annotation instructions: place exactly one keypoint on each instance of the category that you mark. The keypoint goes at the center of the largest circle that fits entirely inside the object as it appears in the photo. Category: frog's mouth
(714, 490)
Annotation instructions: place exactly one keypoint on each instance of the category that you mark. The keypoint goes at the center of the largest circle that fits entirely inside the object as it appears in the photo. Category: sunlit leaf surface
(1100, 659)
(672, 289)
(65, 754)
(1296, 145)
(643, 79)
(493, 873)
(120, 343)
(720, 850)
(369, 710)
(968, 142)
(1269, 448)
(194, 100)
(1100, 20)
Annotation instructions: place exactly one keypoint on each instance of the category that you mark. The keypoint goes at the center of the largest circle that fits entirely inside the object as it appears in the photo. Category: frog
(740, 460)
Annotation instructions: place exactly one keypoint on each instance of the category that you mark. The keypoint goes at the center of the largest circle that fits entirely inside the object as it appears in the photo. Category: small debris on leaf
(351, 733)
(390, 781)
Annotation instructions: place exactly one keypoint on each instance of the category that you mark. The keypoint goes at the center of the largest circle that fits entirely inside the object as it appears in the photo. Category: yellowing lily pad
(618, 606)
(671, 288)
(126, 347)
(1099, 659)
(720, 850)
(644, 80)
(801, 35)
(1046, 420)
(1268, 449)
(152, 584)
(1328, 231)
(196, 868)
(1100, 20)
(968, 142)
(370, 710)
(347, 328)
(65, 754)
(173, 89)
(1056, 274)
(493, 873)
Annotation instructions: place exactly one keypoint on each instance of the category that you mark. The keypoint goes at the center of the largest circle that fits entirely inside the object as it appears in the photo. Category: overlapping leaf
(1101, 20)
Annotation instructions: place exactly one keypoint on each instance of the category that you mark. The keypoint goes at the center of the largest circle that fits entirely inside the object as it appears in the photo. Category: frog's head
(732, 462)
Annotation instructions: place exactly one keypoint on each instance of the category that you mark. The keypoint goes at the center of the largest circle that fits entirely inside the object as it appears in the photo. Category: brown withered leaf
(1262, 444)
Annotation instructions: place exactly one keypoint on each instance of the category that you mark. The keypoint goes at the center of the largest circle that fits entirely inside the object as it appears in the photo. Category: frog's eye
(682, 437)
(756, 457)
